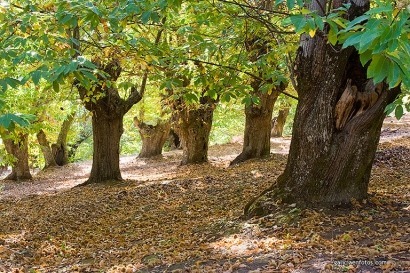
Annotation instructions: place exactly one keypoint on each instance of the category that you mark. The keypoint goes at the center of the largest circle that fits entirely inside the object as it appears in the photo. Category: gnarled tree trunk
(258, 116)
(256, 143)
(334, 142)
(108, 110)
(153, 137)
(278, 123)
(59, 148)
(19, 149)
(194, 126)
(46, 150)
(55, 154)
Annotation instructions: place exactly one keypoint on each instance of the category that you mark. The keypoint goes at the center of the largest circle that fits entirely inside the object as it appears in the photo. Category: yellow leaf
(395, 12)
(340, 23)
(312, 32)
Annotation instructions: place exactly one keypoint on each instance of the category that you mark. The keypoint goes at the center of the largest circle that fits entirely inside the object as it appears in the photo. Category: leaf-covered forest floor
(170, 218)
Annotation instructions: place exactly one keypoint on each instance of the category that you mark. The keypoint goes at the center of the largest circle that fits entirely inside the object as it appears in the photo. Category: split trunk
(335, 135)
(60, 150)
(194, 127)
(278, 123)
(153, 137)
(49, 160)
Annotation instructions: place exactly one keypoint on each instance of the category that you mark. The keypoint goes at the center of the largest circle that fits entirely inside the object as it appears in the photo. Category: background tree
(15, 140)
(69, 42)
(153, 123)
(343, 82)
(264, 53)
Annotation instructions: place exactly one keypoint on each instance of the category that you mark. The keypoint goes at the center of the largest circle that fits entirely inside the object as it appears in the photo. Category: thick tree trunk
(257, 127)
(46, 150)
(19, 149)
(334, 140)
(153, 137)
(258, 116)
(194, 127)
(59, 148)
(278, 123)
(107, 133)
(108, 110)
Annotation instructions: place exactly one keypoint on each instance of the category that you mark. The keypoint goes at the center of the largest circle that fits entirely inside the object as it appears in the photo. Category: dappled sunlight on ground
(170, 218)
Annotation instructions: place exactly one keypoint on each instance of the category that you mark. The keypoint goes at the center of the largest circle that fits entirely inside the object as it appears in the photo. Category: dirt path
(63, 178)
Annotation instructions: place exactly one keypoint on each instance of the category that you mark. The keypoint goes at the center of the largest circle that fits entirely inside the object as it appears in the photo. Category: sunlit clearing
(248, 243)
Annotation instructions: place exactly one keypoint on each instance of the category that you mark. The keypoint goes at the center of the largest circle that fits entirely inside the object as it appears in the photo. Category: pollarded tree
(108, 110)
(70, 48)
(194, 123)
(17, 146)
(193, 109)
(153, 137)
(265, 54)
(342, 98)
(152, 119)
(193, 88)
(278, 122)
(15, 140)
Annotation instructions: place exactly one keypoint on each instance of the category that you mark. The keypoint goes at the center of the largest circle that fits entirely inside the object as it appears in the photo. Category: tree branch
(135, 95)
(238, 70)
(253, 7)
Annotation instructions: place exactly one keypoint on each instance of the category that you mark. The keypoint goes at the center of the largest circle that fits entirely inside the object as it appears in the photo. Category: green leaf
(352, 40)
(13, 83)
(290, 4)
(9, 120)
(278, 2)
(378, 68)
(399, 112)
(319, 22)
(356, 21)
(56, 86)
(145, 17)
(299, 21)
(390, 108)
(3, 85)
(36, 76)
(365, 57)
(191, 97)
(332, 37)
(393, 76)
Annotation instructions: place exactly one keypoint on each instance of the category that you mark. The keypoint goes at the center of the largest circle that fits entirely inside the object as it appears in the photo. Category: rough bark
(107, 133)
(194, 126)
(153, 137)
(258, 126)
(108, 110)
(278, 123)
(329, 163)
(19, 149)
(173, 140)
(258, 116)
(60, 150)
(46, 150)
